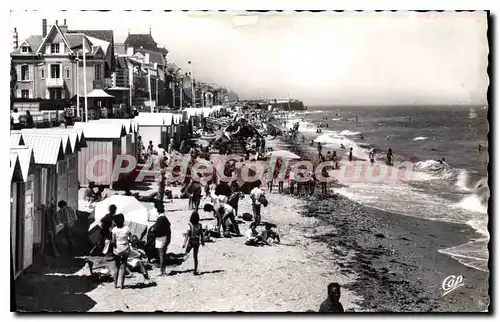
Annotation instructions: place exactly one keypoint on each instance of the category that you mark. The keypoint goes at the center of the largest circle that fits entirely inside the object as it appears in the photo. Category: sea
(453, 191)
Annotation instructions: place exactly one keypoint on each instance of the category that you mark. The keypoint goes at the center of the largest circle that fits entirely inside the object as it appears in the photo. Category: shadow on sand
(38, 291)
(172, 273)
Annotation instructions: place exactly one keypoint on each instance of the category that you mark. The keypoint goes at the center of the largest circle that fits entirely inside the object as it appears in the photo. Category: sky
(383, 58)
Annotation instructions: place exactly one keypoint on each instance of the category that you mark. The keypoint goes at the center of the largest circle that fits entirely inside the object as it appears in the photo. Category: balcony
(103, 83)
(55, 82)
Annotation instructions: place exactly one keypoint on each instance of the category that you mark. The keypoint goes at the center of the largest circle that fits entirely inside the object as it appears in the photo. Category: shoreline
(388, 247)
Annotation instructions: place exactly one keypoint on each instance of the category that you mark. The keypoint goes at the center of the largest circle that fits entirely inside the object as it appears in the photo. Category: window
(55, 93)
(97, 72)
(55, 71)
(54, 48)
(42, 73)
(25, 49)
(25, 93)
(67, 73)
(25, 72)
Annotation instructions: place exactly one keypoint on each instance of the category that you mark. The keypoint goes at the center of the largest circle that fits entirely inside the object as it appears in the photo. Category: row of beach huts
(48, 165)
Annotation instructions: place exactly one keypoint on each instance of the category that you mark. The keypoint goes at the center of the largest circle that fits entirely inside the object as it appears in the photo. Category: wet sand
(396, 258)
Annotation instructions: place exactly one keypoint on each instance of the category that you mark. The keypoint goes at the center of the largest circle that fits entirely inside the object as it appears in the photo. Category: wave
(304, 126)
(337, 119)
(334, 140)
(419, 138)
(347, 132)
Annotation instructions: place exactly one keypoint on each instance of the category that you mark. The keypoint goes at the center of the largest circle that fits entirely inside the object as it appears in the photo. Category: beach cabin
(168, 119)
(16, 138)
(128, 145)
(152, 127)
(50, 186)
(177, 128)
(103, 145)
(22, 203)
(68, 179)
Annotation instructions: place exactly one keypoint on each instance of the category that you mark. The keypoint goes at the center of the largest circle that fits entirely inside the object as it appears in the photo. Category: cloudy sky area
(325, 58)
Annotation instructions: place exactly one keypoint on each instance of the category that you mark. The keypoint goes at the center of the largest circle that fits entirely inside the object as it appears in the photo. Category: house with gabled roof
(49, 66)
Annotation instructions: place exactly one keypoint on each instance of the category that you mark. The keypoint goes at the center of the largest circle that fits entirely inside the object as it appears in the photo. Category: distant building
(143, 57)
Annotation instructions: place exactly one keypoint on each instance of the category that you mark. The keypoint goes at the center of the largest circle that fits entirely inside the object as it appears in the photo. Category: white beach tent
(284, 154)
(135, 213)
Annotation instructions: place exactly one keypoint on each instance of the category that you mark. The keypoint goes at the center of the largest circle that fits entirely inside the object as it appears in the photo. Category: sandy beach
(324, 240)
(234, 277)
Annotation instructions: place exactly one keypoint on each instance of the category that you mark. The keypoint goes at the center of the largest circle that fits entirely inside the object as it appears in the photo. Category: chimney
(44, 27)
(64, 28)
(15, 39)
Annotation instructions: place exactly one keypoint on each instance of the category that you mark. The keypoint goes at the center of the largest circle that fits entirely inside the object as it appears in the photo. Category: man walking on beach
(256, 195)
(332, 304)
(163, 234)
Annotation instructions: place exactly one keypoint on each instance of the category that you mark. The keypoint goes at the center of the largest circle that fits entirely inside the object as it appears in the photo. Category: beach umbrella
(135, 213)
(283, 154)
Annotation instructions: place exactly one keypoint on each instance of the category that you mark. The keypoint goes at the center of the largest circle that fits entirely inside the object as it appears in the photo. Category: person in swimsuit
(390, 157)
(372, 156)
(121, 248)
(193, 239)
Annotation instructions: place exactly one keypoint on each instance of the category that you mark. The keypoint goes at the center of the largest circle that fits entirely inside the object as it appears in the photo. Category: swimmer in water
(480, 148)
(372, 156)
(362, 137)
(342, 146)
(389, 157)
(388, 137)
(311, 143)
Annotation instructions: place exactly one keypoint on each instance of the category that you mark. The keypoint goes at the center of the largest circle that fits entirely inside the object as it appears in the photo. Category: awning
(99, 93)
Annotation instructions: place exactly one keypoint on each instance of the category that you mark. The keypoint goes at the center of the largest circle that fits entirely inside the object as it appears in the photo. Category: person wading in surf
(390, 157)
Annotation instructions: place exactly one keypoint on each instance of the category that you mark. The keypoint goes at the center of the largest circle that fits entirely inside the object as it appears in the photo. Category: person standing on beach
(235, 198)
(150, 148)
(257, 195)
(163, 234)
(389, 157)
(67, 217)
(121, 248)
(193, 239)
(106, 224)
(350, 155)
(332, 304)
(163, 182)
(320, 148)
(371, 156)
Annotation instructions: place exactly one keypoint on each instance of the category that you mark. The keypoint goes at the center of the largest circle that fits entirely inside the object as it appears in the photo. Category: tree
(13, 84)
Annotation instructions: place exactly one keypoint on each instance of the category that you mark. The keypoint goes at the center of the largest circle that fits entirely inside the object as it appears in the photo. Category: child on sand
(257, 196)
(121, 249)
(194, 238)
(252, 236)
